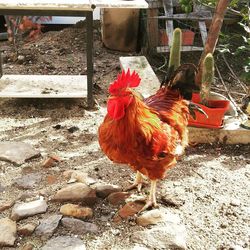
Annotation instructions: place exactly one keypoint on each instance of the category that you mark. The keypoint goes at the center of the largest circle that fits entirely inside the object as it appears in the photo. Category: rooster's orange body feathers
(144, 133)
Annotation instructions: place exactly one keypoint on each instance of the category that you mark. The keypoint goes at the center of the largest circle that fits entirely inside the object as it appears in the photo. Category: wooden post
(152, 26)
(213, 33)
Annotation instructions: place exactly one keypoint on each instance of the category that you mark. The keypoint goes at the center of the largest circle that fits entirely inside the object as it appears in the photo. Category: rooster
(148, 134)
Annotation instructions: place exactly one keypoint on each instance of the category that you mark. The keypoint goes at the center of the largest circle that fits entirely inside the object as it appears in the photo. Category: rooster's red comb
(123, 81)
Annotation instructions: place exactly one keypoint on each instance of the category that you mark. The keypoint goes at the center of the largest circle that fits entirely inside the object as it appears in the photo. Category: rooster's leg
(137, 182)
(151, 202)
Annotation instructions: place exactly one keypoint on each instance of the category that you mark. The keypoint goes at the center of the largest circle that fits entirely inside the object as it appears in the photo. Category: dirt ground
(211, 180)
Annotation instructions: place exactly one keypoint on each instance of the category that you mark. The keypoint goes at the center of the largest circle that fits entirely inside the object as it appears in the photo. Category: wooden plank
(232, 133)
(149, 81)
(43, 86)
(135, 4)
(203, 31)
(203, 15)
(152, 28)
(163, 49)
(79, 5)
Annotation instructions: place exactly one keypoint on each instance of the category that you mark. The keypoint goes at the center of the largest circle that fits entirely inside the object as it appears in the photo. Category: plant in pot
(205, 77)
(215, 109)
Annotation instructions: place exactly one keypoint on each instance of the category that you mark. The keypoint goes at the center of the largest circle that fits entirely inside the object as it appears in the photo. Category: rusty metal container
(120, 29)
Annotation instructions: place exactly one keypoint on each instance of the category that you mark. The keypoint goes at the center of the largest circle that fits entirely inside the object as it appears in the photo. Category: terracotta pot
(187, 37)
(215, 112)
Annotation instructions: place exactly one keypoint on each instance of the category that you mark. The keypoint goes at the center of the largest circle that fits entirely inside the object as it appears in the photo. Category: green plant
(175, 50)
(207, 78)
(186, 5)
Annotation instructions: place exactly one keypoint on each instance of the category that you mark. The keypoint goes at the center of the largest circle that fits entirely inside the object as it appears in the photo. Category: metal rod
(89, 18)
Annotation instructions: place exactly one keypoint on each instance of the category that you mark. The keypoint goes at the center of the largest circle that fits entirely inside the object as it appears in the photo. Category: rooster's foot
(149, 204)
(138, 183)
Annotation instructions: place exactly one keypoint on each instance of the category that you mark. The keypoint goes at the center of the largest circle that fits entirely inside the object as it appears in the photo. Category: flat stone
(104, 190)
(28, 181)
(26, 229)
(65, 243)
(118, 198)
(17, 152)
(24, 210)
(170, 236)
(6, 205)
(48, 225)
(76, 211)
(130, 209)
(78, 226)
(151, 217)
(76, 192)
(7, 232)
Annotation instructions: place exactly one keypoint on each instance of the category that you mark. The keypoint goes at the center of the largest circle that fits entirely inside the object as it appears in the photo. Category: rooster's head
(120, 93)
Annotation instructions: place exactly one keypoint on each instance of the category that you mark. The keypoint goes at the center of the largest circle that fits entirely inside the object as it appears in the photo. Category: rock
(7, 232)
(236, 247)
(51, 161)
(48, 225)
(78, 226)
(104, 190)
(170, 236)
(131, 208)
(235, 202)
(6, 205)
(118, 198)
(80, 177)
(17, 152)
(26, 229)
(20, 59)
(23, 210)
(2, 188)
(28, 181)
(65, 243)
(172, 201)
(67, 173)
(151, 217)
(28, 246)
(73, 129)
(76, 211)
(76, 192)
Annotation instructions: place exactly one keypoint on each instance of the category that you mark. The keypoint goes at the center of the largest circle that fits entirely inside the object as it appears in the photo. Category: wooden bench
(34, 86)
(231, 133)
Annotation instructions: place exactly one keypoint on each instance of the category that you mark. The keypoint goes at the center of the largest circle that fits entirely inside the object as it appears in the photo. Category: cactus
(175, 51)
(207, 78)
